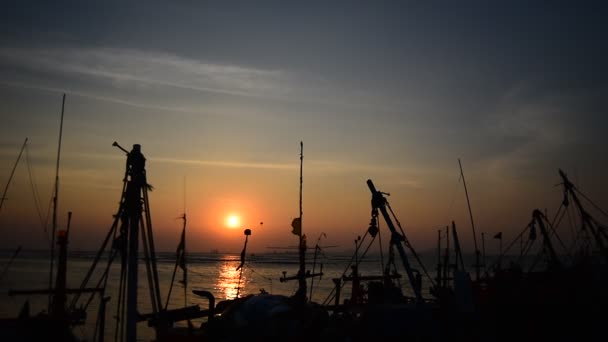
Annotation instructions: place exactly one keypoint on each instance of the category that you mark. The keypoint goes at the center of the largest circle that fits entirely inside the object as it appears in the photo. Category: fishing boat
(559, 292)
(57, 321)
(265, 316)
(547, 291)
(504, 303)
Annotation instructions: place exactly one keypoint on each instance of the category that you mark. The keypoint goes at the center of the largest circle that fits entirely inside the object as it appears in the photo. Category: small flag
(296, 224)
(498, 236)
(181, 257)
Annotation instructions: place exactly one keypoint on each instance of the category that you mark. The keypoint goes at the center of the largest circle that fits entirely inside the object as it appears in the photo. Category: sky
(220, 95)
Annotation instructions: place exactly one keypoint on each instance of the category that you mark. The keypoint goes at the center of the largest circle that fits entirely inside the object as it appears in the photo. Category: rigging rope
(408, 245)
(36, 194)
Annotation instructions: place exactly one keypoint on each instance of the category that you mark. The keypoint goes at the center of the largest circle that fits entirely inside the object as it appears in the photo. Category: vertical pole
(102, 317)
(135, 189)
(185, 270)
(472, 222)
(483, 250)
(446, 263)
(241, 266)
(55, 201)
(439, 258)
(500, 251)
(132, 276)
(337, 283)
(302, 271)
(60, 296)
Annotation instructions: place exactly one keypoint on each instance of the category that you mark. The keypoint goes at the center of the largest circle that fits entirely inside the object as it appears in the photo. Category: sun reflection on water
(228, 280)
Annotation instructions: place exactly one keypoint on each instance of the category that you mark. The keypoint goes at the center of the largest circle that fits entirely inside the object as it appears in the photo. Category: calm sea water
(214, 272)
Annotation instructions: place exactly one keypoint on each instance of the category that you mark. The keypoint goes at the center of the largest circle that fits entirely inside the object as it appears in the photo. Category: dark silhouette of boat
(503, 303)
(57, 322)
(555, 294)
(559, 293)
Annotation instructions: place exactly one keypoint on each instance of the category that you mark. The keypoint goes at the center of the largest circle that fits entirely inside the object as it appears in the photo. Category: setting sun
(232, 221)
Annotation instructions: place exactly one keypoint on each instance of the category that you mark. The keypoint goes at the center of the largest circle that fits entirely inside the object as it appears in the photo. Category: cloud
(144, 72)
(311, 165)
(152, 68)
(196, 162)
(534, 125)
(230, 164)
(101, 98)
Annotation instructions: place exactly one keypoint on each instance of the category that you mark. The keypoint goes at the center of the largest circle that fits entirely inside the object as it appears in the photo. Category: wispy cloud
(100, 98)
(152, 68)
(230, 164)
(529, 118)
(145, 70)
(533, 125)
(314, 165)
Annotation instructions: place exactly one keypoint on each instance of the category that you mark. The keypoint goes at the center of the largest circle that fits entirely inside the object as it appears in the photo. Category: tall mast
(12, 173)
(55, 198)
(302, 271)
(185, 269)
(472, 222)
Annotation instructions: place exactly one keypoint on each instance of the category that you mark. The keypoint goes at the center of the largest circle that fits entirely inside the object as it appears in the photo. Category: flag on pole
(498, 236)
(296, 224)
(181, 257)
(242, 258)
(243, 252)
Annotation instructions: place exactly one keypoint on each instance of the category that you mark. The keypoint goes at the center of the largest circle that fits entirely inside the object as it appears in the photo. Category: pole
(446, 260)
(241, 266)
(483, 250)
(133, 214)
(12, 173)
(302, 247)
(472, 222)
(185, 270)
(439, 258)
(55, 200)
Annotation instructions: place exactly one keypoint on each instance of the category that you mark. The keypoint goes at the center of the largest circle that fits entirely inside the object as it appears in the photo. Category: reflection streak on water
(228, 280)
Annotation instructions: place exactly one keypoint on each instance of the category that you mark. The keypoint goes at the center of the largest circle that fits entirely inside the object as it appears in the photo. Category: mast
(446, 257)
(439, 258)
(483, 250)
(398, 240)
(56, 199)
(296, 224)
(472, 222)
(302, 246)
(11, 176)
(183, 259)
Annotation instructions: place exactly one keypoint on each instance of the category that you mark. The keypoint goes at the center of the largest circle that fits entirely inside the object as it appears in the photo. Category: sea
(214, 272)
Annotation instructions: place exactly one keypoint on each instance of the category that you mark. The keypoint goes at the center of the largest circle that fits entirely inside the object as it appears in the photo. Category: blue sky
(223, 92)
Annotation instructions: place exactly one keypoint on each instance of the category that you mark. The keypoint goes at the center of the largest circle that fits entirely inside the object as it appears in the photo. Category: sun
(232, 221)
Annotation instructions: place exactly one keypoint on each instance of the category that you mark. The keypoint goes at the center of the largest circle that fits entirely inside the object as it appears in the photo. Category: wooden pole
(56, 200)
